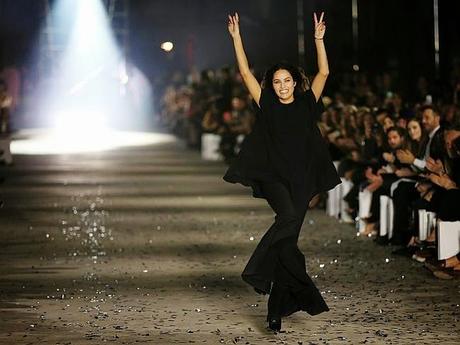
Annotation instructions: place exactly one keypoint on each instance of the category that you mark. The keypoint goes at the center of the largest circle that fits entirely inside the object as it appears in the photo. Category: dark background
(394, 35)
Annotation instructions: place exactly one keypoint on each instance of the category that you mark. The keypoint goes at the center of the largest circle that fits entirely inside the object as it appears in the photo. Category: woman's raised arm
(319, 81)
(249, 80)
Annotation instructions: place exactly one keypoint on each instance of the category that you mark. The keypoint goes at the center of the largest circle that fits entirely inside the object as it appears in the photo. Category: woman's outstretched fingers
(233, 25)
(321, 18)
(315, 18)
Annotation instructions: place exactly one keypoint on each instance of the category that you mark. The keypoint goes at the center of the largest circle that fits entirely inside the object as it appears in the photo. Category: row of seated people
(226, 127)
(215, 105)
(415, 165)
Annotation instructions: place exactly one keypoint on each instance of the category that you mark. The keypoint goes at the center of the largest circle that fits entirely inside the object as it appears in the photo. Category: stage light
(45, 142)
(167, 46)
(90, 89)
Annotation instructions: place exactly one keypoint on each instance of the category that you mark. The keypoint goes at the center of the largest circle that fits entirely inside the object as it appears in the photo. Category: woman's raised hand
(320, 26)
(234, 25)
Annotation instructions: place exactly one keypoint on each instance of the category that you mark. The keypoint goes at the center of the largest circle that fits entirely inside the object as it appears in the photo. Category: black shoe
(405, 251)
(398, 241)
(382, 240)
(274, 323)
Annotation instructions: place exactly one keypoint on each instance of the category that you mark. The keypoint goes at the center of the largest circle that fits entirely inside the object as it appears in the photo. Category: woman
(285, 160)
(388, 123)
(416, 135)
(415, 145)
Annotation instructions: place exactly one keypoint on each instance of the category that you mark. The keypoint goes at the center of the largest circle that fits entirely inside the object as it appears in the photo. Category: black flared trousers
(277, 266)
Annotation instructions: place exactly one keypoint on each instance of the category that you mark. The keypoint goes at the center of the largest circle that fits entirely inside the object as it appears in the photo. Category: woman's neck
(286, 101)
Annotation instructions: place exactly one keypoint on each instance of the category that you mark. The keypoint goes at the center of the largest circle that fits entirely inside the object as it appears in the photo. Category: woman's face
(414, 129)
(388, 123)
(284, 85)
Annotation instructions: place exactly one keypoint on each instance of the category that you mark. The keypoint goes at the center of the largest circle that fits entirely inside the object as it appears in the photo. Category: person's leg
(375, 206)
(259, 271)
(286, 222)
(292, 288)
(403, 197)
(279, 199)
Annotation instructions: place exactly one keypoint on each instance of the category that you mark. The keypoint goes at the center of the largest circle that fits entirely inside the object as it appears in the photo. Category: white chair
(448, 238)
(386, 216)
(345, 188)
(333, 202)
(333, 199)
(391, 212)
(365, 200)
(335, 206)
(210, 147)
(426, 222)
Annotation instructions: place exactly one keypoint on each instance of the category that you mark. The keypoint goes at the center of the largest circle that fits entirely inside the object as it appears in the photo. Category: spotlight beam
(81, 84)
(89, 90)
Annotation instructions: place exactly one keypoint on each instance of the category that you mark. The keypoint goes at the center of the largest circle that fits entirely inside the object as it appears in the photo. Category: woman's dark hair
(298, 74)
(402, 134)
(415, 119)
(399, 130)
(388, 116)
(416, 147)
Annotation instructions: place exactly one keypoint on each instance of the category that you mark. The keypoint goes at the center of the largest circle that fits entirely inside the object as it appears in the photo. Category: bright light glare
(42, 142)
(87, 123)
(123, 75)
(89, 89)
(167, 46)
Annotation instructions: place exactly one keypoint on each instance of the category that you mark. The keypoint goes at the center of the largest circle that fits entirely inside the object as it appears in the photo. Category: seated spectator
(213, 117)
(5, 103)
(237, 121)
(416, 136)
(380, 181)
(388, 123)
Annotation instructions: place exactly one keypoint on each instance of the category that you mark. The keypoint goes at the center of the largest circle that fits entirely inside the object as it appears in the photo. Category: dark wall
(198, 28)
(339, 37)
(19, 25)
(397, 36)
(393, 34)
(449, 27)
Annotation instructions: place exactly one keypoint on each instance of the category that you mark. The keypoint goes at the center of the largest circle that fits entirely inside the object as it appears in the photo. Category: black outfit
(445, 202)
(285, 160)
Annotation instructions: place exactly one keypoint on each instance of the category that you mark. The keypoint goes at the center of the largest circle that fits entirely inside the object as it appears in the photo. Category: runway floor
(146, 245)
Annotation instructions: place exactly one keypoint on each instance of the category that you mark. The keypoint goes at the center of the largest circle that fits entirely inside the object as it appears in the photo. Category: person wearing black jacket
(286, 161)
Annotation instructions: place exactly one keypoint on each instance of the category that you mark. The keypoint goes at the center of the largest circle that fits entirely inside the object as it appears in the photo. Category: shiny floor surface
(146, 245)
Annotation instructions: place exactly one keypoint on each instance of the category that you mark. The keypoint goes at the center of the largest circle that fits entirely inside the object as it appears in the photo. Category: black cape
(286, 146)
